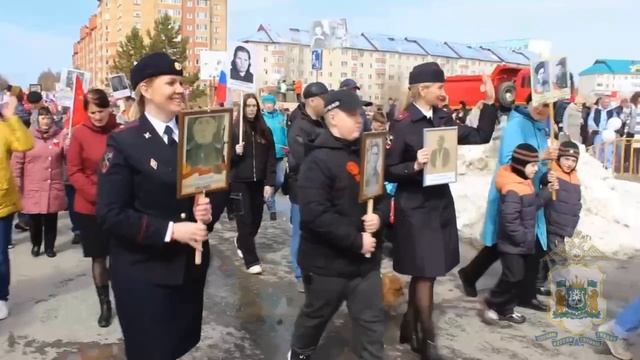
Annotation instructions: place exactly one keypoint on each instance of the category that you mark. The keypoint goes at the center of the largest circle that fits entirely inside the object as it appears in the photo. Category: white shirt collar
(428, 114)
(160, 126)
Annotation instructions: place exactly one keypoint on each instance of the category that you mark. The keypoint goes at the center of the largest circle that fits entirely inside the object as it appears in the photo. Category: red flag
(78, 114)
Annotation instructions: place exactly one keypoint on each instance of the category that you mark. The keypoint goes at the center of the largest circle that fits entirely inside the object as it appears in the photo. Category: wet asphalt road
(251, 317)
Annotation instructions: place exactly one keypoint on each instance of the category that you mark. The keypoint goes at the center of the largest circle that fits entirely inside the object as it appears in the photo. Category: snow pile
(611, 208)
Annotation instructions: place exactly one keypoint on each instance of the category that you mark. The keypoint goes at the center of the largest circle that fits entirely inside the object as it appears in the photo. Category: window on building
(216, 18)
(203, 2)
(202, 27)
(216, 30)
(202, 38)
(189, 3)
(344, 64)
(137, 2)
(391, 77)
(343, 75)
(189, 16)
(189, 27)
(345, 52)
(362, 65)
(202, 15)
(370, 76)
(137, 14)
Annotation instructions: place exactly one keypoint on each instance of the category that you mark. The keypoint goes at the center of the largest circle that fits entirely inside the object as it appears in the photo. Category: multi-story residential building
(607, 77)
(203, 21)
(379, 63)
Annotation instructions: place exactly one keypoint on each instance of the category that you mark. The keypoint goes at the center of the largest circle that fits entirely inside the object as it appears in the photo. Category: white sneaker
(238, 250)
(619, 348)
(4, 310)
(255, 270)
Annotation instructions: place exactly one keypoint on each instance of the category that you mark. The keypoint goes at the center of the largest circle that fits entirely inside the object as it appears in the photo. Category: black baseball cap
(344, 100)
(314, 89)
(349, 84)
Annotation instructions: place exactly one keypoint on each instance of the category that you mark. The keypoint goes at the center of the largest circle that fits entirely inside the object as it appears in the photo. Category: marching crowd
(116, 176)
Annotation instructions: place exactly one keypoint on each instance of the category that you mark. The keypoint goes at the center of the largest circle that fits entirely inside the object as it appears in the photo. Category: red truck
(512, 85)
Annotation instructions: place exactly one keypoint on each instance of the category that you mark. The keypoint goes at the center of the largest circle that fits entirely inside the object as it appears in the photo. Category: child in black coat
(516, 231)
(563, 214)
(338, 255)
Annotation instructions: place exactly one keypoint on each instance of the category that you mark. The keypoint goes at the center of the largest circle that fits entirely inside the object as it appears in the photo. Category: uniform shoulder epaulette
(404, 115)
(128, 125)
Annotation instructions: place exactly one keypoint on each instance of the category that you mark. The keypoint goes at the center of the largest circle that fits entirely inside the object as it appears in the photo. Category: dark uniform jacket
(425, 231)
(519, 205)
(137, 200)
(258, 160)
(303, 132)
(331, 223)
(563, 214)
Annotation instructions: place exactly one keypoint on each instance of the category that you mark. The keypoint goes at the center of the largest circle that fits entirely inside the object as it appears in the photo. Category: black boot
(104, 320)
(410, 331)
(428, 348)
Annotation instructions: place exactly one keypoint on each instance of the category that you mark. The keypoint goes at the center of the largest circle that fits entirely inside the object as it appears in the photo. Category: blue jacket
(277, 123)
(520, 128)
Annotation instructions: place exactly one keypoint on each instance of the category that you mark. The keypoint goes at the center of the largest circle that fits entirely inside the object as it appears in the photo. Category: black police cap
(344, 100)
(349, 84)
(315, 89)
(429, 72)
(153, 65)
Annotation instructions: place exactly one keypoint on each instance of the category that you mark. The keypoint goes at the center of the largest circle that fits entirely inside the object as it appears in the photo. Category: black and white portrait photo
(68, 77)
(442, 144)
(241, 70)
(540, 78)
(119, 86)
(372, 159)
(440, 156)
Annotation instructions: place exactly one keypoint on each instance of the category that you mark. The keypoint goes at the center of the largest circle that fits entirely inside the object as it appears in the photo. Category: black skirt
(95, 241)
(158, 322)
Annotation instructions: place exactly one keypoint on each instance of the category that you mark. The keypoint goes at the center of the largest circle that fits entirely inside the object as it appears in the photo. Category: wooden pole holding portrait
(241, 118)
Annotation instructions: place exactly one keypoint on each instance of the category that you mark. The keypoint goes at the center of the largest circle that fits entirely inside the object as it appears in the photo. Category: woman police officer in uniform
(157, 286)
(425, 230)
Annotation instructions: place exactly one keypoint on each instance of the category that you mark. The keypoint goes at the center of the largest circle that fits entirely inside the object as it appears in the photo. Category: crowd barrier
(622, 156)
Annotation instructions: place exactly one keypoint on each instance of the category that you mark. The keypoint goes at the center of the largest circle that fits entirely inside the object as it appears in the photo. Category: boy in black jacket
(337, 235)
(562, 215)
(516, 232)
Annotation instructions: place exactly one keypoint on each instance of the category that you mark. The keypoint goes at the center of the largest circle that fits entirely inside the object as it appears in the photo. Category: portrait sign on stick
(204, 159)
(242, 67)
(372, 155)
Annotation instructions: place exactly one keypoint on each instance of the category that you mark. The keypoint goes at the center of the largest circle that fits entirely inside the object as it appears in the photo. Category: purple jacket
(38, 173)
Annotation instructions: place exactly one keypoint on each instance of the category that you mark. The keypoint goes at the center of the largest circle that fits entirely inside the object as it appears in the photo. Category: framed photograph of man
(442, 144)
(68, 77)
(35, 87)
(205, 151)
(372, 153)
(119, 86)
(540, 82)
(560, 80)
(242, 67)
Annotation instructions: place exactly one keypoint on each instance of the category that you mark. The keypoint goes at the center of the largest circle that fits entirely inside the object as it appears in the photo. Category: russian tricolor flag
(221, 89)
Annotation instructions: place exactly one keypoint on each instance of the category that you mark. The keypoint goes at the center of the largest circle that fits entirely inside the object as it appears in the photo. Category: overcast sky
(38, 34)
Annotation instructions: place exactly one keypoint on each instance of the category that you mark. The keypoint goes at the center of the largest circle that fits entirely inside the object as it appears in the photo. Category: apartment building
(203, 21)
(379, 63)
(609, 76)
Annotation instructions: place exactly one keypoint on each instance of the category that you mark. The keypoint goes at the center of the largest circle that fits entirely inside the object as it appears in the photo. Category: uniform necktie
(170, 140)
